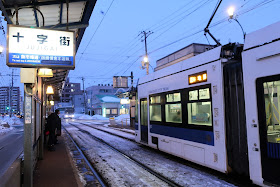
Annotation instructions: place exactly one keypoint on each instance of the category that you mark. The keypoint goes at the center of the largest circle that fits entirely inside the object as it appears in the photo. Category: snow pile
(11, 121)
(124, 118)
(76, 116)
(6, 123)
(83, 116)
(99, 117)
(4, 128)
(87, 117)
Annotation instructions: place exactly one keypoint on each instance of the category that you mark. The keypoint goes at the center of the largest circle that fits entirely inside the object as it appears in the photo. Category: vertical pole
(147, 63)
(131, 76)
(43, 115)
(11, 93)
(83, 79)
(28, 138)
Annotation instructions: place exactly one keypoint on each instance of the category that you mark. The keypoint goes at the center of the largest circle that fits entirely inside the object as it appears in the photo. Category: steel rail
(107, 132)
(161, 177)
(98, 177)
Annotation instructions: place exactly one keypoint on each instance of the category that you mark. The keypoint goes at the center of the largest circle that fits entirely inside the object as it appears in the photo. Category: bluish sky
(112, 45)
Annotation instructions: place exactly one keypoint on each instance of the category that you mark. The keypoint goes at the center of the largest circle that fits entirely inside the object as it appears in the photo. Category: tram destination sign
(35, 48)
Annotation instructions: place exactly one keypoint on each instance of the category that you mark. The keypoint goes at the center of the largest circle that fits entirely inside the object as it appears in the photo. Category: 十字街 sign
(33, 47)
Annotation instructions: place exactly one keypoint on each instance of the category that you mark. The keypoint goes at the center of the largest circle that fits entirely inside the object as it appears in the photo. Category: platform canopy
(50, 14)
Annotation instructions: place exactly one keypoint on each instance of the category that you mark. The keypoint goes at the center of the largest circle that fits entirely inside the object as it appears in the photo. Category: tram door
(144, 120)
(268, 90)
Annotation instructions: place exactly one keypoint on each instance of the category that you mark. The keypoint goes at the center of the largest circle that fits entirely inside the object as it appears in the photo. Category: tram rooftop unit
(182, 54)
(218, 109)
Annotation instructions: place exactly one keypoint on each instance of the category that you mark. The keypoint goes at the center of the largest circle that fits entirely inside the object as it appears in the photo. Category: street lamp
(50, 90)
(1, 49)
(45, 72)
(230, 11)
(146, 63)
(146, 59)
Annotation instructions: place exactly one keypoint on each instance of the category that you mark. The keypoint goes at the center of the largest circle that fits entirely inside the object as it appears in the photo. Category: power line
(215, 24)
(96, 29)
(180, 20)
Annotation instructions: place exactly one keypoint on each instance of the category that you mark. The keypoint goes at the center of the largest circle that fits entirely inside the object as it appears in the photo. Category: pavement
(56, 169)
(11, 146)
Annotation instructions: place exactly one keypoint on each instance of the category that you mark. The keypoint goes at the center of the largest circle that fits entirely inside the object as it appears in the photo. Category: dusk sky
(112, 45)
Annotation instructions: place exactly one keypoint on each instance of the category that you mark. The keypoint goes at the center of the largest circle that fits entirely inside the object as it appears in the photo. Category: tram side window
(199, 107)
(272, 108)
(173, 110)
(155, 108)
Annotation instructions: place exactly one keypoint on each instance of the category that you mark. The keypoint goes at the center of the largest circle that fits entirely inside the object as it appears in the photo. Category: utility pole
(131, 76)
(83, 79)
(146, 60)
(11, 93)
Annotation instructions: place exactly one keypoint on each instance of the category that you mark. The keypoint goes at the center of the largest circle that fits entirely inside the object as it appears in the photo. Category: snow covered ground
(7, 124)
(87, 117)
(119, 118)
(116, 170)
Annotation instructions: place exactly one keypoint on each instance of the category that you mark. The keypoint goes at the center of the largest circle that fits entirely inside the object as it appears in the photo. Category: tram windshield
(272, 108)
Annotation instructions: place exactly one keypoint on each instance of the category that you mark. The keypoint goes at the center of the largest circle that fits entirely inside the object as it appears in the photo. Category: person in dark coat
(53, 123)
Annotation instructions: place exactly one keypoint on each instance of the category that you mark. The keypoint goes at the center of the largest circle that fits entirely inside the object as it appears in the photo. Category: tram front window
(272, 108)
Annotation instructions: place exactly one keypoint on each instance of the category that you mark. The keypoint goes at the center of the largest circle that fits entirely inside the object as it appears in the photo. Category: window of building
(72, 90)
(155, 108)
(199, 107)
(108, 111)
(114, 111)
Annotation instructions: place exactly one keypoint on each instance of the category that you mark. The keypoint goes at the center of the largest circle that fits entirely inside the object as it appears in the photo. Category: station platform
(56, 169)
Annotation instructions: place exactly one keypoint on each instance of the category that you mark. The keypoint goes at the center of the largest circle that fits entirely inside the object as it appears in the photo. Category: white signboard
(34, 47)
(120, 82)
(27, 110)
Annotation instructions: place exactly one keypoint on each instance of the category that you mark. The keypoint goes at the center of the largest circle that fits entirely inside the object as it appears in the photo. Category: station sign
(36, 48)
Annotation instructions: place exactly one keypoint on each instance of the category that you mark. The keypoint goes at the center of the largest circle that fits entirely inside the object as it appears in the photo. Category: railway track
(126, 156)
(88, 163)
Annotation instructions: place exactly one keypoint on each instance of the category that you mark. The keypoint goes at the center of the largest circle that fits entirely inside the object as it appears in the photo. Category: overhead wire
(194, 33)
(181, 15)
(181, 18)
(139, 43)
(213, 25)
(96, 30)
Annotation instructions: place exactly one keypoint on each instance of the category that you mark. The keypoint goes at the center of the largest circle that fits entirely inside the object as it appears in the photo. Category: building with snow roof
(101, 100)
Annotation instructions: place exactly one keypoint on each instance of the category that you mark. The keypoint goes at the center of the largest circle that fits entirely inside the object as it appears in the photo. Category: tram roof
(51, 14)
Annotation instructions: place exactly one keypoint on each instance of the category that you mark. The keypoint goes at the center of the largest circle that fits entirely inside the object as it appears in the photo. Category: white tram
(218, 109)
